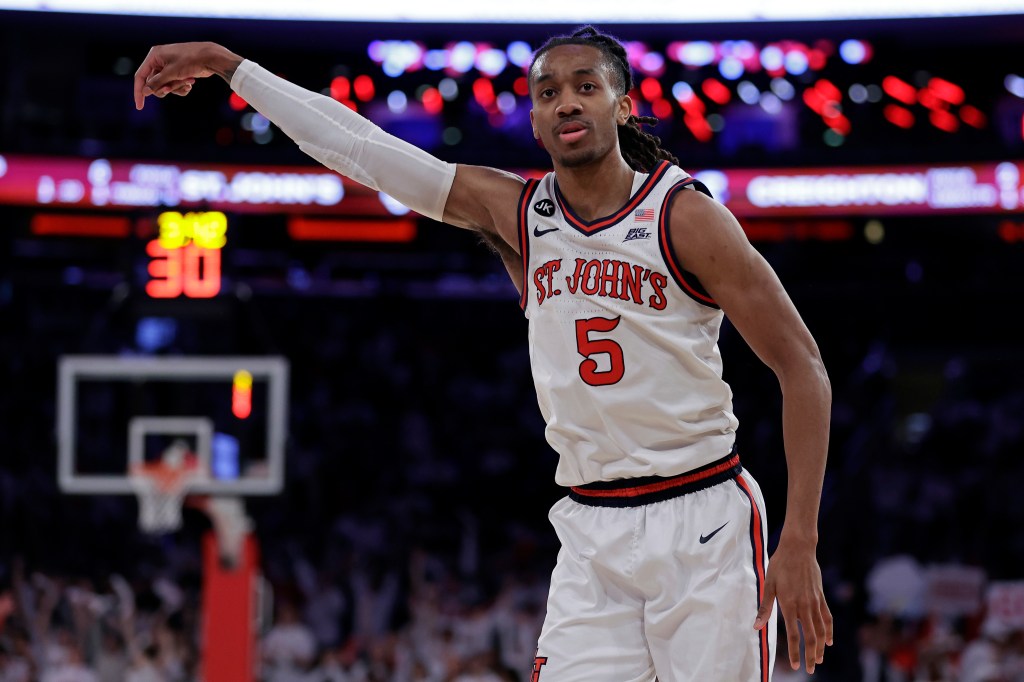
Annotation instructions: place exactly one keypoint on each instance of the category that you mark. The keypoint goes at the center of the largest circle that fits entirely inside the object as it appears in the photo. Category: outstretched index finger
(150, 65)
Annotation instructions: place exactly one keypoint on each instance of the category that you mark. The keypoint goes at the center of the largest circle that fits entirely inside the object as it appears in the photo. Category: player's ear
(533, 125)
(625, 108)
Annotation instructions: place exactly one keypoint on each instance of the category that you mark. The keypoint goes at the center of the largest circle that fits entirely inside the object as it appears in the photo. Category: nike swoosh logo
(537, 232)
(705, 538)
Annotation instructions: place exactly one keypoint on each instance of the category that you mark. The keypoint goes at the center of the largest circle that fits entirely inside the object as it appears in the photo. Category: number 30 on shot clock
(185, 258)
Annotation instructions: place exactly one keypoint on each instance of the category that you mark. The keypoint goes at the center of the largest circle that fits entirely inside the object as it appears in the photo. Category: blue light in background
(224, 464)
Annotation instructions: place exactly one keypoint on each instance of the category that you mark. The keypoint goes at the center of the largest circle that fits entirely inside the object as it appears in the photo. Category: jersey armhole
(686, 280)
(524, 236)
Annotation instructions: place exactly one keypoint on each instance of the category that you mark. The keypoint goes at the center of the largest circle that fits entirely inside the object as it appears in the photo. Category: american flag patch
(643, 215)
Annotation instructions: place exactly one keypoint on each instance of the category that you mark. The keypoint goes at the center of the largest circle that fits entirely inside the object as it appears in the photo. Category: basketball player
(625, 272)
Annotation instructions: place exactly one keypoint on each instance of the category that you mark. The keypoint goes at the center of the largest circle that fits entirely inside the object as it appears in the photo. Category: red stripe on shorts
(757, 540)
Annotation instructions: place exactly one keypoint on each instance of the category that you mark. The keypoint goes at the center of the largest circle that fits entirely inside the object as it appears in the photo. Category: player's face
(576, 106)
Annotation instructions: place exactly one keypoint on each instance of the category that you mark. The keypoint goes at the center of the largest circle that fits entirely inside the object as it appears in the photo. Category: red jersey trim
(591, 227)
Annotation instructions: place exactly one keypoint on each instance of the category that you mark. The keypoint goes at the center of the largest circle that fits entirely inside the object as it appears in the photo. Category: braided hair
(640, 149)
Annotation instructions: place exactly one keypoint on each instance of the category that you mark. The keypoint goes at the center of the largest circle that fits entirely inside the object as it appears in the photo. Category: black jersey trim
(524, 235)
(595, 226)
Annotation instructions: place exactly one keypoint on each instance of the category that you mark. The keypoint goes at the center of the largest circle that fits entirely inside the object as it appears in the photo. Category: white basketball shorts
(664, 589)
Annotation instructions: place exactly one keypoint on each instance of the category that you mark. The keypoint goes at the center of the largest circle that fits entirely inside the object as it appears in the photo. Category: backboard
(118, 413)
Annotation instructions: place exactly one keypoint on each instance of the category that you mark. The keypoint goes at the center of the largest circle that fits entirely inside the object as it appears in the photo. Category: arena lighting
(66, 225)
(943, 120)
(341, 88)
(318, 229)
(899, 89)
(716, 91)
(1014, 85)
(529, 11)
(854, 51)
(920, 189)
(364, 88)
(491, 62)
(236, 102)
(397, 101)
(651, 89)
(432, 100)
(899, 116)
(696, 53)
(946, 91)
(483, 92)
(661, 109)
(698, 125)
(972, 116)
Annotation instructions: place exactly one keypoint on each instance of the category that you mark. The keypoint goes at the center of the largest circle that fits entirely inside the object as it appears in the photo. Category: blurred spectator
(289, 648)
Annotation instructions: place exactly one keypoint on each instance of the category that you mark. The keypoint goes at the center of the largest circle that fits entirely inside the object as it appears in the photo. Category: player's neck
(596, 189)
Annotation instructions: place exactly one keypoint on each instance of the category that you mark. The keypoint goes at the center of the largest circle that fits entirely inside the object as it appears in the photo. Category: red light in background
(840, 124)
(928, 99)
(341, 89)
(698, 125)
(946, 91)
(363, 85)
(310, 229)
(814, 100)
(898, 89)
(483, 91)
(899, 116)
(828, 91)
(80, 225)
(943, 120)
(651, 89)
(798, 230)
(693, 106)
(661, 109)
(432, 101)
(716, 91)
(521, 86)
(241, 394)
(236, 102)
(1011, 232)
(816, 59)
(973, 117)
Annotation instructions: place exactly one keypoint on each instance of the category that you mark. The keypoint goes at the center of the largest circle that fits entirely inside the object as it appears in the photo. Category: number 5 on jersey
(588, 347)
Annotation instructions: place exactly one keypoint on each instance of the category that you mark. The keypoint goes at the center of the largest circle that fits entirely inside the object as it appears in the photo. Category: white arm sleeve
(344, 141)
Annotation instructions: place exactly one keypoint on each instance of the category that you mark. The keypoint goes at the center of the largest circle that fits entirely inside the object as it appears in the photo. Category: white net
(159, 509)
(161, 488)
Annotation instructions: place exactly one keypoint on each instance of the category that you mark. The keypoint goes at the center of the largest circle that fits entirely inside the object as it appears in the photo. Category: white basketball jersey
(623, 341)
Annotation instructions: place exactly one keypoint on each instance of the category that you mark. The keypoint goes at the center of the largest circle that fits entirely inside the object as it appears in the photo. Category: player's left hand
(794, 578)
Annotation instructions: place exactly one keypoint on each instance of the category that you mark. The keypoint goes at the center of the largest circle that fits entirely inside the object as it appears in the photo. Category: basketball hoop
(161, 488)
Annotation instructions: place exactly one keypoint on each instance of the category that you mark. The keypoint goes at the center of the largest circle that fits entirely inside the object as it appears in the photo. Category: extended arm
(477, 198)
(716, 250)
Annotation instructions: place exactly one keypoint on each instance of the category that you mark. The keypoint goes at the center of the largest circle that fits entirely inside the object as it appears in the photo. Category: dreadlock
(640, 149)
